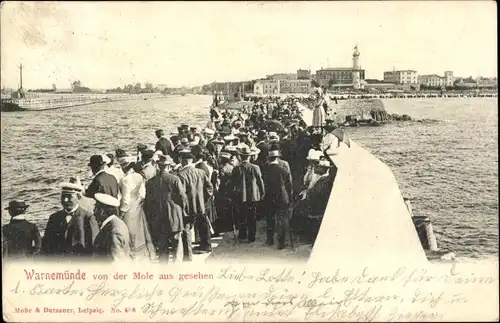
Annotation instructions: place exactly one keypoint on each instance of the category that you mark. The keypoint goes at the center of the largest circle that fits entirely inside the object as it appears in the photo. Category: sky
(110, 44)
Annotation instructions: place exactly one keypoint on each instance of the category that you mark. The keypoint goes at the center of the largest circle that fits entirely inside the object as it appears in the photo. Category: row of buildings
(353, 77)
(411, 77)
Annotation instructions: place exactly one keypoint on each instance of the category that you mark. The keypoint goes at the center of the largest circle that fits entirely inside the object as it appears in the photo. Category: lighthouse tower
(356, 82)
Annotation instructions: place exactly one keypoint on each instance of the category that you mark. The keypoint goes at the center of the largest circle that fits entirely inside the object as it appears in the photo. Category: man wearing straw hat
(278, 198)
(248, 190)
(72, 230)
(164, 207)
(113, 241)
(20, 238)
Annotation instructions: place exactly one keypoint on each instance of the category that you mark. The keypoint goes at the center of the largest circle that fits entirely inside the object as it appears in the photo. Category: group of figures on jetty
(195, 184)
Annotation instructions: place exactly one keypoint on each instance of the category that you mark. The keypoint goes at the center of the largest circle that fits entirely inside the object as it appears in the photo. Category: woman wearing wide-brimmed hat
(20, 238)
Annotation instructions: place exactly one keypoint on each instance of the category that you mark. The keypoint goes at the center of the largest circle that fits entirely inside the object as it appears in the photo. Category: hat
(120, 153)
(159, 132)
(209, 131)
(97, 160)
(16, 205)
(106, 199)
(273, 137)
(141, 146)
(231, 137)
(165, 160)
(225, 155)
(106, 159)
(147, 154)
(244, 150)
(126, 160)
(217, 141)
(324, 163)
(184, 126)
(274, 153)
(73, 186)
(231, 149)
(314, 154)
(255, 150)
(186, 154)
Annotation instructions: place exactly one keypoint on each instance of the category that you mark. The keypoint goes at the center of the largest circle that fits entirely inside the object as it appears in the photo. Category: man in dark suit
(113, 241)
(248, 190)
(165, 207)
(72, 230)
(163, 144)
(103, 182)
(279, 192)
(198, 188)
(20, 238)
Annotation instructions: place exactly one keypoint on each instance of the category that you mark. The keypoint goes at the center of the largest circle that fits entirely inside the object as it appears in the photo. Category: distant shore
(50, 101)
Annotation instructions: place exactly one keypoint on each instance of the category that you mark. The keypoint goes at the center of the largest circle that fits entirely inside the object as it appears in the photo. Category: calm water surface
(449, 168)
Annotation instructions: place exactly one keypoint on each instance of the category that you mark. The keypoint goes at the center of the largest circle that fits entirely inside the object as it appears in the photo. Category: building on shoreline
(434, 80)
(267, 87)
(401, 77)
(342, 76)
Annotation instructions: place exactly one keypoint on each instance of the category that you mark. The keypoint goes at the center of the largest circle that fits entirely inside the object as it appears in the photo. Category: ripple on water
(448, 163)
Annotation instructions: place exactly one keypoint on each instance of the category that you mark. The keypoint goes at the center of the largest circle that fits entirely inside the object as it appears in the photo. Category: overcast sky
(110, 44)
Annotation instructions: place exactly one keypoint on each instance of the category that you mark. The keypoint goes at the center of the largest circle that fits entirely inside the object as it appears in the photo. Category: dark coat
(164, 204)
(247, 183)
(74, 238)
(278, 183)
(165, 146)
(319, 195)
(20, 238)
(198, 186)
(103, 183)
(113, 241)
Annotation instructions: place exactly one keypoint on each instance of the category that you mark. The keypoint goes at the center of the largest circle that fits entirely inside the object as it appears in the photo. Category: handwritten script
(237, 292)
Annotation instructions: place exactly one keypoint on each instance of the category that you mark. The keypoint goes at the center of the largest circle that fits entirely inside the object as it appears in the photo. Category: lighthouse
(356, 82)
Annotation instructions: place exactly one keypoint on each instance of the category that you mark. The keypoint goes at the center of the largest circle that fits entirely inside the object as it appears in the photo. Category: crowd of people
(263, 163)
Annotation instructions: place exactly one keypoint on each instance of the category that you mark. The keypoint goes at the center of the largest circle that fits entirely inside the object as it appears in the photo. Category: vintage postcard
(249, 161)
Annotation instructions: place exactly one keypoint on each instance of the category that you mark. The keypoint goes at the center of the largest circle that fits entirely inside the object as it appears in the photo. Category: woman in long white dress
(319, 115)
(133, 192)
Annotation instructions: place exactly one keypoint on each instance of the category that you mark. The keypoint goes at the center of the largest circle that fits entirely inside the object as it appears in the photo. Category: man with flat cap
(148, 170)
(198, 190)
(165, 209)
(113, 241)
(248, 190)
(278, 198)
(163, 144)
(103, 182)
(20, 238)
(72, 230)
